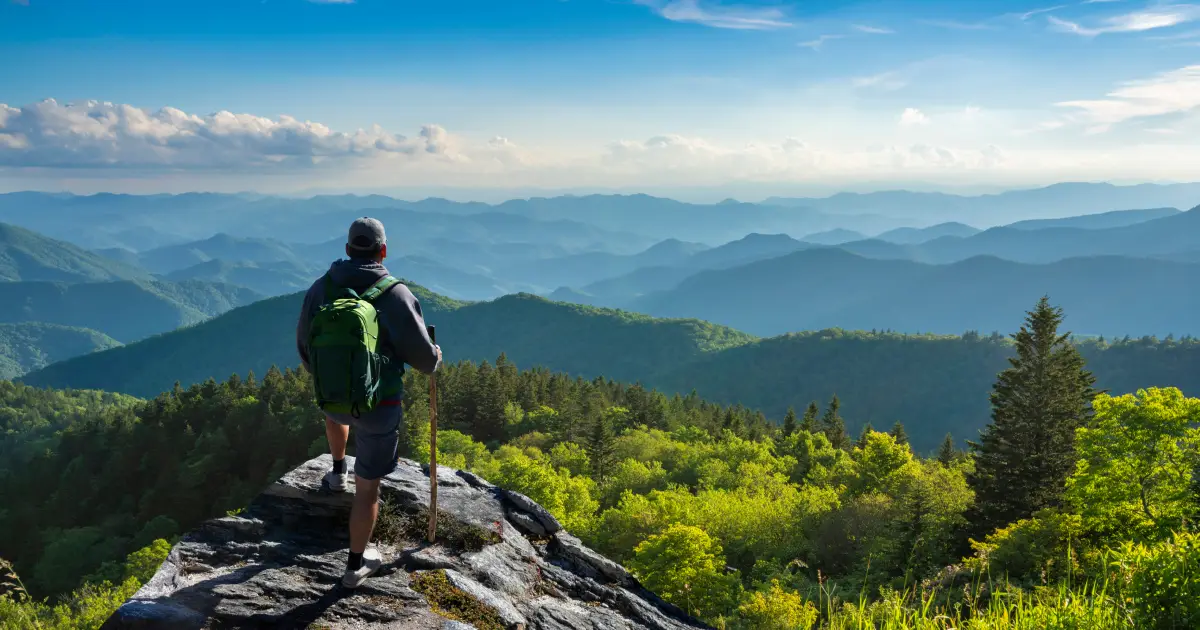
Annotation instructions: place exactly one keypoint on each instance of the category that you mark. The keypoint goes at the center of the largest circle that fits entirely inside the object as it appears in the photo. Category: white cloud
(1028, 14)
(105, 146)
(816, 44)
(717, 16)
(888, 81)
(92, 134)
(912, 117)
(873, 30)
(1145, 20)
(1173, 92)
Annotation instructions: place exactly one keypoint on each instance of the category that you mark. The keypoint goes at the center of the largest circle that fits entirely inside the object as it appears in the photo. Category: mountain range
(829, 287)
(1054, 201)
(27, 255)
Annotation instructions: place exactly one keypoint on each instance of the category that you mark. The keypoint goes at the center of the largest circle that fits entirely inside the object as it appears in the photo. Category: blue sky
(281, 95)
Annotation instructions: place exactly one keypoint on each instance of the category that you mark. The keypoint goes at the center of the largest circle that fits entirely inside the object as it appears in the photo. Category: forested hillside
(933, 384)
(566, 337)
(26, 255)
(124, 310)
(34, 345)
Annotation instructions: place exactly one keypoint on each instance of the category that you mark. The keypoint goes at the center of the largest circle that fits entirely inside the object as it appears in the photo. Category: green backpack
(343, 341)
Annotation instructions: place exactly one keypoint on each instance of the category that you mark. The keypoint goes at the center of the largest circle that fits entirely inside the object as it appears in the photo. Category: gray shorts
(376, 438)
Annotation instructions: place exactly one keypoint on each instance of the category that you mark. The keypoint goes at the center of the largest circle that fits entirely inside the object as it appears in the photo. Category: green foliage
(1033, 550)
(90, 605)
(1136, 466)
(777, 609)
(31, 418)
(686, 567)
(1159, 584)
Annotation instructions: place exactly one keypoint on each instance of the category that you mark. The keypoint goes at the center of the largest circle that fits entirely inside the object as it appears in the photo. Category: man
(402, 339)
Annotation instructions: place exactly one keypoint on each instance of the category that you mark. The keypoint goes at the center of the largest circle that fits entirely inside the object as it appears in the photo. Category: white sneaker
(335, 482)
(371, 562)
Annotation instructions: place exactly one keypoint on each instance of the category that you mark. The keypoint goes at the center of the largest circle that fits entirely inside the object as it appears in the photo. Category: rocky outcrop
(501, 561)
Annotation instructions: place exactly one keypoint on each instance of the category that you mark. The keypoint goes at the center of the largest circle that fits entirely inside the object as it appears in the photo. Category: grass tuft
(453, 603)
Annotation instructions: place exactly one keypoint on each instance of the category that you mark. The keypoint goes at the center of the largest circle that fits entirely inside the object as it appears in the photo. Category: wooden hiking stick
(432, 446)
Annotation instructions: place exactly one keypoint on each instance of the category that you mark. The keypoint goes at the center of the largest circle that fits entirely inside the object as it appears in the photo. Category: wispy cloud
(717, 16)
(816, 44)
(1028, 14)
(873, 30)
(885, 81)
(959, 26)
(1134, 22)
(1173, 92)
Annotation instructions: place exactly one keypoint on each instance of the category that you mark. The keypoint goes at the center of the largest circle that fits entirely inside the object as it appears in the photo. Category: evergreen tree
(862, 437)
(732, 422)
(899, 433)
(947, 453)
(1025, 455)
(489, 422)
(809, 423)
(789, 422)
(833, 426)
(601, 446)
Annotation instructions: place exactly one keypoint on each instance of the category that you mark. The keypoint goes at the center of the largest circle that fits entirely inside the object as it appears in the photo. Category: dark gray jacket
(403, 338)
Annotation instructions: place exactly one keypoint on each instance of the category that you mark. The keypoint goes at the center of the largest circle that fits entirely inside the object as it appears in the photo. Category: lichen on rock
(501, 561)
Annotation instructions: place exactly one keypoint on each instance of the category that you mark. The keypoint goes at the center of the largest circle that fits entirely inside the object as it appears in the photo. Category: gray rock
(487, 596)
(525, 504)
(280, 562)
(527, 524)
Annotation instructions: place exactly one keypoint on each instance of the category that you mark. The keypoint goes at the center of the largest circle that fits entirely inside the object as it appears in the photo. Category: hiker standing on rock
(357, 329)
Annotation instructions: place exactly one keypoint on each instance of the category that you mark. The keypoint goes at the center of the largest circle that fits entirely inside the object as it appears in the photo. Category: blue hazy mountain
(915, 236)
(830, 287)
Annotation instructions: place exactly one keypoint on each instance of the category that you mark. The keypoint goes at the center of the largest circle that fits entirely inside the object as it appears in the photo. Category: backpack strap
(379, 288)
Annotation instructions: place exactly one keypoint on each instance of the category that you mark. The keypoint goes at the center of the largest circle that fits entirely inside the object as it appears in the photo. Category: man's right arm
(406, 330)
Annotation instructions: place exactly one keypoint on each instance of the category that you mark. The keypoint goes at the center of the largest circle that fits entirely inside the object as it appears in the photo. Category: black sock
(355, 562)
(339, 466)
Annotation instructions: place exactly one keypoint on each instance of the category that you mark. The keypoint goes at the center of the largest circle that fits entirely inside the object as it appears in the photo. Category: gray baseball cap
(366, 234)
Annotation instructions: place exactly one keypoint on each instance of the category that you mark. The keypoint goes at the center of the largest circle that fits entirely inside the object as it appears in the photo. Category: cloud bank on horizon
(654, 92)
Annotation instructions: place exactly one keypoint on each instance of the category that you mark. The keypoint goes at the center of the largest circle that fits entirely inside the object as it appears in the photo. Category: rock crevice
(278, 564)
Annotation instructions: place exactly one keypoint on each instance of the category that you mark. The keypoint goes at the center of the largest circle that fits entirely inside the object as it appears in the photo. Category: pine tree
(732, 422)
(862, 437)
(489, 422)
(1025, 455)
(601, 447)
(833, 426)
(789, 422)
(809, 423)
(899, 433)
(947, 453)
